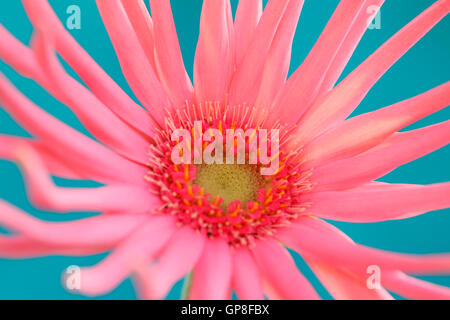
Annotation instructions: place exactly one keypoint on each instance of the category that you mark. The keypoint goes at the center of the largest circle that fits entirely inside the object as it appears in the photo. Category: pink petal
(212, 274)
(413, 288)
(302, 87)
(176, 260)
(339, 103)
(141, 246)
(246, 280)
(214, 57)
(397, 150)
(9, 145)
(247, 17)
(279, 270)
(169, 61)
(384, 203)
(106, 90)
(247, 78)
(349, 45)
(317, 240)
(343, 285)
(365, 131)
(136, 68)
(102, 230)
(143, 27)
(94, 160)
(46, 195)
(20, 247)
(17, 55)
(277, 64)
(95, 116)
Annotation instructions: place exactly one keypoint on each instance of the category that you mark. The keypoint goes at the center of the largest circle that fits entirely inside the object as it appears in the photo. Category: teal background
(425, 66)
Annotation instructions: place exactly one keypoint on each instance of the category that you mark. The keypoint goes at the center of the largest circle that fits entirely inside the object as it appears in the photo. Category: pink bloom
(225, 225)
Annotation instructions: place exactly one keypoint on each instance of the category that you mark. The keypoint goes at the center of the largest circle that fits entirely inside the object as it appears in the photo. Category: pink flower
(225, 225)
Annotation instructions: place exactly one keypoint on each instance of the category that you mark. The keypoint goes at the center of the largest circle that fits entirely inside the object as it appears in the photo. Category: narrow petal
(412, 288)
(212, 274)
(102, 230)
(302, 87)
(365, 131)
(20, 247)
(339, 103)
(317, 240)
(9, 145)
(143, 27)
(136, 68)
(46, 195)
(279, 270)
(96, 161)
(95, 116)
(246, 280)
(382, 204)
(106, 90)
(247, 78)
(169, 61)
(343, 285)
(397, 150)
(349, 44)
(247, 17)
(214, 57)
(142, 245)
(17, 55)
(277, 64)
(176, 260)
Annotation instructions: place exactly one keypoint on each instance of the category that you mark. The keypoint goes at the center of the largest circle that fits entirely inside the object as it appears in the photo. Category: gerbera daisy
(225, 227)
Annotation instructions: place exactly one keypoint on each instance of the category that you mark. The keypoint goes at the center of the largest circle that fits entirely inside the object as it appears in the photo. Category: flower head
(216, 179)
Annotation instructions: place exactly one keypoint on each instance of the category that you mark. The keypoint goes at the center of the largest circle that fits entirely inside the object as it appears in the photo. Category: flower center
(234, 201)
(230, 182)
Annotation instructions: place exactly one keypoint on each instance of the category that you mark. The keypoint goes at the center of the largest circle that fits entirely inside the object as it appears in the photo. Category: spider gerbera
(226, 226)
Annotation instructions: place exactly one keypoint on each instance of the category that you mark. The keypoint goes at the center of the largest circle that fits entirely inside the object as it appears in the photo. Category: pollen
(230, 182)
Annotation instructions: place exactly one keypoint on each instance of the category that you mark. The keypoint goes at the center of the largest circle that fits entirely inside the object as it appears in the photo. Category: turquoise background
(425, 66)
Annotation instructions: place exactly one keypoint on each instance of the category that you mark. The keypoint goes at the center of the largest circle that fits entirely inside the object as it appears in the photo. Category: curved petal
(102, 230)
(45, 194)
(303, 85)
(17, 55)
(169, 61)
(98, 119)
(247, 17)
(317, 240)
(176, 260)
(96, 161)
(141, 246)
(343, 285)
(137, 70)
(389, 203)
(212, 274)
(247, 78)
(106, 90)
(397, 150)
(365, 131)
(413, 288)
(214, 57)
(9, 145)
(339, 103)
(20, 247)
(246, 280)
(278, 59)
(279, 270)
